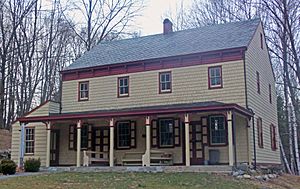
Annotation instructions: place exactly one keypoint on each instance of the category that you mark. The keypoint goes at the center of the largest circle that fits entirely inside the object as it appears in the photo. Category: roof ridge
(184, 30)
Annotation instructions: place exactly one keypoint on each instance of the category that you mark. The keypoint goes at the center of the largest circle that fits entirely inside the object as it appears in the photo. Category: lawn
(125, 180)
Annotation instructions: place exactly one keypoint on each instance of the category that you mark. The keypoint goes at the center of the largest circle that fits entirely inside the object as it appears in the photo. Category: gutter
(253, 133)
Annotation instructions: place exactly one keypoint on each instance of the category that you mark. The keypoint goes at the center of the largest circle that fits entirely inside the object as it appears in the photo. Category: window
(260, 133)
(83, 91)
(261, 41)
(273, 137)
(29, 140)
(123, 86)
(166, 132)
(270, 94)
(258, 82)
(84, 136)
(165, 82)
(215, 77)
(124, 134)
(217, 130)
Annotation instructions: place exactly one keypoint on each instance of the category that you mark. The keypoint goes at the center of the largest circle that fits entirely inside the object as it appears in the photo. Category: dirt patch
(5, 139)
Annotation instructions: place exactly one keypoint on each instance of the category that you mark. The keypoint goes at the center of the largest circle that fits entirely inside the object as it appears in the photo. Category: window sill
(165, 92)
(123, 148)
(218, 145)
(123, 95)
(83, 99)
(215, 87)
(169, 146)
(29, 154)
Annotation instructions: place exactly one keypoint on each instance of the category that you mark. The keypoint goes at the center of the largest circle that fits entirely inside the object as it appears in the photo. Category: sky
(153, 14)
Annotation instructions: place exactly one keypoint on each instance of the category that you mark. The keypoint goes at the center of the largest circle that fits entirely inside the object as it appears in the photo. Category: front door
(196, 147)
(100, 142)
(54, 148)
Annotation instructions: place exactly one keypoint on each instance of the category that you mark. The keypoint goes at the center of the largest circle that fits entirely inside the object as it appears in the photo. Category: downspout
(234, 137)
(60, 95)
(245, 79)
(253, 133)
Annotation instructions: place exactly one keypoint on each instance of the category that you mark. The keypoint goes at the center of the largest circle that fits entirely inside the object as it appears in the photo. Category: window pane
(124, 134)
(167, 77)
(218, 72)
(217, 130)
(166, 132)
(168, 86)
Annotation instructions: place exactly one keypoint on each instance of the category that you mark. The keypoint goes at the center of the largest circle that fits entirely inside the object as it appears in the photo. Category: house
(193, 97)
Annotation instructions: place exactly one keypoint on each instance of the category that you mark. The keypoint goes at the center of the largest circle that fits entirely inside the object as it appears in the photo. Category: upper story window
(217, 130)
(165, 82)
(29, 140)
(270, 93)
(273, 137)
(124, 134)
(260, 133)
(83, 91)
(261, 41)
(166, 133)
(123, 86)
(258, 82)
(215, 77)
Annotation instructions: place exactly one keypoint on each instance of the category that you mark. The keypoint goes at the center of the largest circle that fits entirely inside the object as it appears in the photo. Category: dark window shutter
(133, 134)
(205, 130)
(90, 129)
(72, 137)
(154, 137)
(177, 132)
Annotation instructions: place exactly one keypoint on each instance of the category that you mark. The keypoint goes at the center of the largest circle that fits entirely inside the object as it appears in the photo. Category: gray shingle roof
(203, 39)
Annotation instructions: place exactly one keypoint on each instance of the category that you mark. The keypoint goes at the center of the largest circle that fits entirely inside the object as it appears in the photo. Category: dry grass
(125, 180)
(5, 139)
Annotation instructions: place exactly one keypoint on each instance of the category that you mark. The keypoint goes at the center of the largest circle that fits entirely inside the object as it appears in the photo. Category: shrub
(8, 167)
(32, 165)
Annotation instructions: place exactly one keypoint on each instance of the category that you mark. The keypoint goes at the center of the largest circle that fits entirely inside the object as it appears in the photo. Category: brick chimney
(168, 26)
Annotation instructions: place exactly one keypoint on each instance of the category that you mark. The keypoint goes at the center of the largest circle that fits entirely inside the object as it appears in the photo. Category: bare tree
(102, 18)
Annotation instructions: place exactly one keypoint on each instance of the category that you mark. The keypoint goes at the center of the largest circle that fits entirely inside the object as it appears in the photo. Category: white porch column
(230, 139)
(48, 128)
(22, 146)
(187, 139)
(78, 143)
(146, 156)
(111, 143)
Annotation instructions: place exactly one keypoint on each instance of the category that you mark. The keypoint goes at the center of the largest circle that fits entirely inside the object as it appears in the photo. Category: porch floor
(153, 169)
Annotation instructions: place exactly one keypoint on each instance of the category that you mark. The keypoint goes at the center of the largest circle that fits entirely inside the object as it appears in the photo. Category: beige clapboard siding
(15, 143)
(242, 139)
(257, 59)
(190, 84)
(40, 133)
(40, 142)
(45, 109)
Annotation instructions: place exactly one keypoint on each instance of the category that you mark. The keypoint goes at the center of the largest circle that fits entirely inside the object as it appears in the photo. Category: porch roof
(136, 111)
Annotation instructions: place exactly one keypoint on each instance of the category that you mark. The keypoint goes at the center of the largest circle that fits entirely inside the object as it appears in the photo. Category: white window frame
(83, 90)
(165, 82)
(29, 139)
(123, 86)
(211, 76)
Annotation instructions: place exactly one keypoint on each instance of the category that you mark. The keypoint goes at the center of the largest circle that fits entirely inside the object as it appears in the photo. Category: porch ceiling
(137, 111)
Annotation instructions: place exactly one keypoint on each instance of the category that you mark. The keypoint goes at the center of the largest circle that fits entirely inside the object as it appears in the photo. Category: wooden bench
(132, 158)
(158, 158)
(88, 159)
